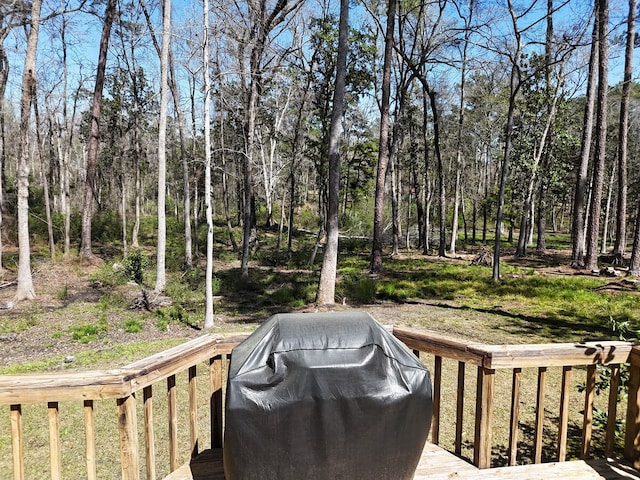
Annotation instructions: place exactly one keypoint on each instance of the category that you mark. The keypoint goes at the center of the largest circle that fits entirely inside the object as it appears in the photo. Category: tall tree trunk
(44, 172)
(461, 108)
(546, 156)
(514, 87)
(578, 218)
(607, 210)
(634, 263)
(4, 75)
(94, 133)
(25, 290)
(442, 240)
(327, 283)
(383, 150)
(161, 275)
(623, 137)
(208, 312)
(593, 228)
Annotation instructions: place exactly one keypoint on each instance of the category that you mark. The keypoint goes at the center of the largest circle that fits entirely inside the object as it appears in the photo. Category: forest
(190, 129)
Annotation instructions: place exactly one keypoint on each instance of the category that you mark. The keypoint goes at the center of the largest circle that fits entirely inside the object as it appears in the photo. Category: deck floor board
(439, 464)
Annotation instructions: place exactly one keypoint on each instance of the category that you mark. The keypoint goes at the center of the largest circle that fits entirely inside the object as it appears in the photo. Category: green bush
(134, 265)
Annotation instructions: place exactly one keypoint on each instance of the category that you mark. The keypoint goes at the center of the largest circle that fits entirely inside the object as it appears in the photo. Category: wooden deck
(439, 464)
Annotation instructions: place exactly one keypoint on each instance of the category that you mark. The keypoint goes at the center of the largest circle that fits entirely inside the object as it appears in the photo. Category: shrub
(134, 265)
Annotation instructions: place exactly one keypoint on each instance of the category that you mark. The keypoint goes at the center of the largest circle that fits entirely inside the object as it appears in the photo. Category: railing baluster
(173, 423)
(17, 442)
(215, 379)
(632, 432)
(587, 422)
(484, 416)
(149, 435)
(612, 411)
(460, 408)
(437, 388)
(128, 428)
(193, 410)
(563, 426)
(539, 425)
(53, 414)
(90, 439)
(515, 415)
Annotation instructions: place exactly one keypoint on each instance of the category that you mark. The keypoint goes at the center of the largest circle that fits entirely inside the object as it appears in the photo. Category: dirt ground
(37, 329)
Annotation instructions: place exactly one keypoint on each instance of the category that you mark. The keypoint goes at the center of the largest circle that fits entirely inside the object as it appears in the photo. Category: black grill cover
(325, 396)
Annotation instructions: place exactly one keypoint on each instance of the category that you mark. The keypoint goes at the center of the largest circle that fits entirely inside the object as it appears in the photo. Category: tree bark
(208, 311)
(383, 151)
(593, 228)
(327, 283)
(623, 137)
(161, 276)
(25, 290)
(578, 218)
(94, 133)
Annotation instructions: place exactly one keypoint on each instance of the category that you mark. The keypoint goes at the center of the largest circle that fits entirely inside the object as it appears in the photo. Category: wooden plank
(50, 387)
(437, 384)
(113, 384)
(55, 459)
(587, 421)
(193, 410)
(514, 416)
(149, 433)
(459, 408)
(17, 442)
(484, 417)
(172, 407)
(127, 428)
(90, 439)
(632, 424)
(575, 470)
(612, 411)
(539, 422)
(563, 420)
(555, 354)
(437, 344)
(215, 401)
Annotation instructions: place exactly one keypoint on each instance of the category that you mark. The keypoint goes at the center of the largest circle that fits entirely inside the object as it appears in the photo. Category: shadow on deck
(439, 464)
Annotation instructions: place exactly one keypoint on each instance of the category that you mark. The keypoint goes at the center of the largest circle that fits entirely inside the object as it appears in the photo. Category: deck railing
(489, 359)
(125, 386)
(132, 390)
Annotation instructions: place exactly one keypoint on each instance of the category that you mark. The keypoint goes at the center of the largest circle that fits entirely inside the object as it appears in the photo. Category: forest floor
(67, 298)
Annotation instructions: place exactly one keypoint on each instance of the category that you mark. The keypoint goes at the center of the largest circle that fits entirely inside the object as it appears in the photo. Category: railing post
(128, 428)
(437, 385)
(215, 379)
(632, 434)
(484, 416)
(53, 412)
(17, 442)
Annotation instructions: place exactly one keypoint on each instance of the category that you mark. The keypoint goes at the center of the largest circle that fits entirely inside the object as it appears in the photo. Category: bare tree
(263, 22)
(623, 136)
(593, 226)
(94, 133)
(25, 290)
(383, 149)
(208, 311)
(578, 220)
(161, 275)
(327, 284)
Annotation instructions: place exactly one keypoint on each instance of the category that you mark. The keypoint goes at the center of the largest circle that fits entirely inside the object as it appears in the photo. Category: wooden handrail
(490, 358)
(121, 385)
(118, 383)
